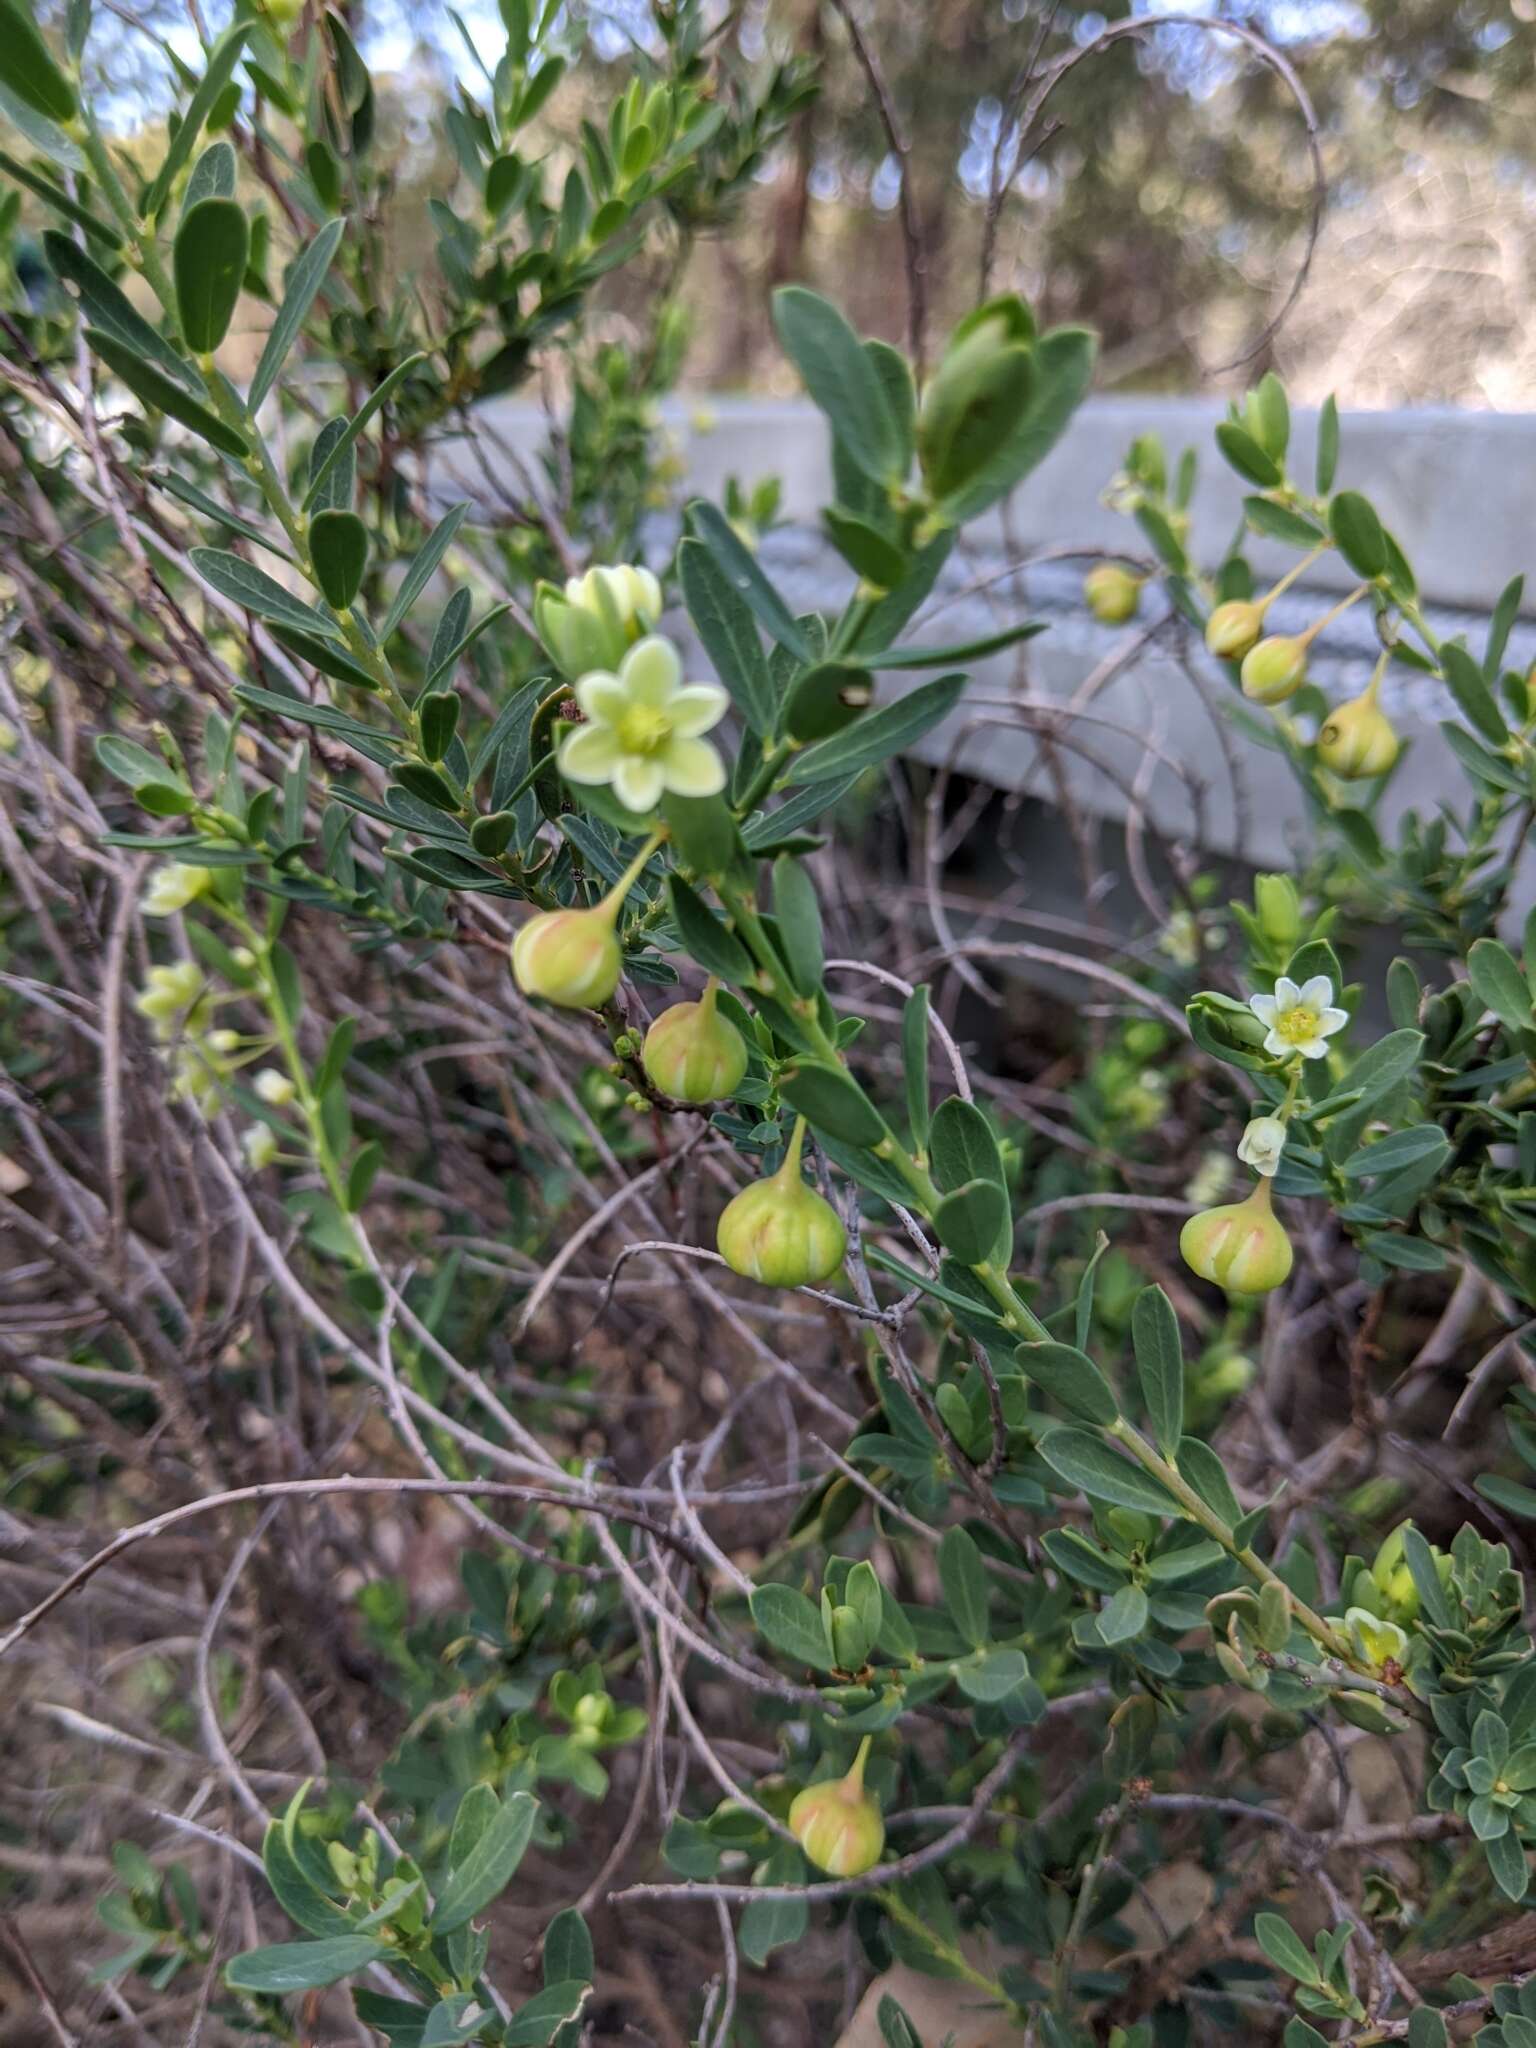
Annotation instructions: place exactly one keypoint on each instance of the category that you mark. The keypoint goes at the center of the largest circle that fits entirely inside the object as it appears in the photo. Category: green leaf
(974, 1221)
(914, 1062)
(1379, 1069)
(338, 548)
(995, 1676)
(1088, 1463)
(437, 716)
(490, 1865)
(831, 1100)
(799, 924)
(1327, 445)
(161, 395)
(108, 311)
(1247, 457)
(1464, 679)
(841, 379)
(1426, 2029)
(1358, 532)
(27, 67)
(302, 1965)
(130, 762)
(963, 1145)
(213, 176)
(879, 734)
(213, 245)
(44, 135)
(1280, 523)
(1509, 1864)
(792, 1624)
(725, 624)
(878, 561)
(423, 567)
(1063, 369)
(222, 59)
(325, 655)
(568, 1950)
(1070, 1377)
(767, 1924)
(1160, 1362)
(1397, 1150)
(1123, 1617)
(549, 2009)
(960, 650)
(296, 1892)
(963, 1581)
(713, 944)
(826, 698)
(1499, 985)
(744, 576)
(342, 444)
(244, 584)
(304, 281)
(53, 195)
(1208, 1476)
(1285, 1948)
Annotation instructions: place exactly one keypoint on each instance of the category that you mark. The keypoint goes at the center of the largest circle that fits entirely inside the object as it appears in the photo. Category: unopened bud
(274, 1088)
(569, 957)
(694, 1054)
(1241, 1247)
(780, 1231)
(1275, 669)
(1357, 740)
(1111, 593)
(838, 1824)
(1279, 909)
(172, 886)
(1233, 628)
(598, 618)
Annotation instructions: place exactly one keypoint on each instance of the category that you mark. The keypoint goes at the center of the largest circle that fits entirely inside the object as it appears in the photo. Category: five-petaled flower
(1299, 1020)
(643, 729)
(1262, 1144)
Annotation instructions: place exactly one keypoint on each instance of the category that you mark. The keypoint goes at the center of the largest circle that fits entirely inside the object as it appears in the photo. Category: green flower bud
(1233, 628)
(1357, 740)
(572, 957)
(694, 1054)
(1379, 1646)
(1275, 669)
(172, 886)
(1111, 593)
(1242, 1246)
(598, 618)
(1278, 908)
(838, 1824)
(569, 957)
(781, 1232)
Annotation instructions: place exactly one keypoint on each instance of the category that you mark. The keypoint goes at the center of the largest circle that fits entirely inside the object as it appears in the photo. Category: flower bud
(1357, 740)
(259, 1144)
(274, 1088)
(694, 1054)
(1379, 1646)
(1242, 1246)
(838, 1824)
(1275, 669)
(1278, 908)
(569, 957)
(1233, 628)
(781, 1232)
(1111, 593)
(172, 886)
(599, 617)
(1262, 1143)
(168, 991)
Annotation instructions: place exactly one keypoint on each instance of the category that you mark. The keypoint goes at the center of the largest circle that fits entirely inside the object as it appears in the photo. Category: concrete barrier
(1453, 486)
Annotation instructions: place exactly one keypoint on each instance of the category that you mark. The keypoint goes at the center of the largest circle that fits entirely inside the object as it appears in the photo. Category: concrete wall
(1456, 488)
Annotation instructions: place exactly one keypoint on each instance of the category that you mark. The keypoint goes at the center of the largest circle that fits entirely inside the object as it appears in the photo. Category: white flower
(643, 729)
(273, 1087)
(1261, 1145)
(1299, 1020)
(172, 886)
